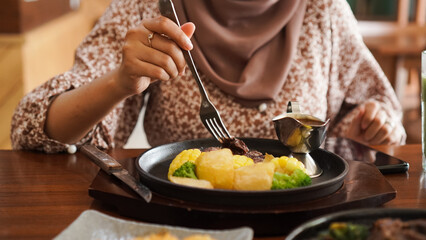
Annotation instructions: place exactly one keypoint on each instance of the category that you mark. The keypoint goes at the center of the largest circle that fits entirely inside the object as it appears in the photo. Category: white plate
(92, 224)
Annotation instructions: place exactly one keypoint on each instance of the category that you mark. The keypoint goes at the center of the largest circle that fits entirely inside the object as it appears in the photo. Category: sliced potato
(216, 167)
(254, 177)
(199, 183)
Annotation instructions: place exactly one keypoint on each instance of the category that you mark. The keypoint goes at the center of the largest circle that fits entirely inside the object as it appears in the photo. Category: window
(380, 10)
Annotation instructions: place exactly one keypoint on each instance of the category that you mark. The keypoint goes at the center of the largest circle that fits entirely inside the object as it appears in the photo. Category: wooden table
(41, 194)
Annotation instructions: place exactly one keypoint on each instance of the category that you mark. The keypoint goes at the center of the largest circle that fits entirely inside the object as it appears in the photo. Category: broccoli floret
(297, 179)
(186, 170)
(347, 231)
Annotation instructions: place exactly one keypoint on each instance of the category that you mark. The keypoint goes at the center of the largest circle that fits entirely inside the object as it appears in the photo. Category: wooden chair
(397, 46)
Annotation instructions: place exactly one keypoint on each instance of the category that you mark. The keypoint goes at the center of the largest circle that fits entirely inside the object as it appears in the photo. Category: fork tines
(217, 129)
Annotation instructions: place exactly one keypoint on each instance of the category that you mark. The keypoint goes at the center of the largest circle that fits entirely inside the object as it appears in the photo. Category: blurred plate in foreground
(92, 224)
(367, 216)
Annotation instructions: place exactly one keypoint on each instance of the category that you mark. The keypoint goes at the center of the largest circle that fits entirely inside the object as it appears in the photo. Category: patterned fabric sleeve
(98, 54)
(357, 77)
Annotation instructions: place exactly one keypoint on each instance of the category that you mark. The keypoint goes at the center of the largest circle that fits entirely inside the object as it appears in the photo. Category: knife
(111, 166)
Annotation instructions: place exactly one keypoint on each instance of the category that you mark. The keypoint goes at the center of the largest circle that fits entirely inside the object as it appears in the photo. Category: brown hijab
(244, 46)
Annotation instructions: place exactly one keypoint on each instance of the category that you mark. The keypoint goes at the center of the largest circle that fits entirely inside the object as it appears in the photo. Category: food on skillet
(220, 168)
(238, 147)
(388, 228)
(168, 236)
(345, 231)
(186, 156)
(217, 167)
(191, 182)
(382, 229)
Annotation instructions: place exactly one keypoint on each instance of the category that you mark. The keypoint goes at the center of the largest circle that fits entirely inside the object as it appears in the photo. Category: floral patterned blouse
(332, 73)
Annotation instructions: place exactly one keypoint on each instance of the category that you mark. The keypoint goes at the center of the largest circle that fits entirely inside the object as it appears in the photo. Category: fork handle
(168, 10)
(188, 57)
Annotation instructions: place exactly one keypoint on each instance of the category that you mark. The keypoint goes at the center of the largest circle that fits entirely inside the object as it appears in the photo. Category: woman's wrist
(124, 86)
(115, 86)
(72, 114)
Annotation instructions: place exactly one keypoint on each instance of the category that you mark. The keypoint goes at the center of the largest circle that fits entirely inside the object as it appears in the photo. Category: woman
(254, 57)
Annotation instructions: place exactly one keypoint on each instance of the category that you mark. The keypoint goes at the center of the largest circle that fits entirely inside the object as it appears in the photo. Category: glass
(423, 109)
(422, 186)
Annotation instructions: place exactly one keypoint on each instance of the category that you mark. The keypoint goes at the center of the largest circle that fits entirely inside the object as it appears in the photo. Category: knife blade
(112, 167)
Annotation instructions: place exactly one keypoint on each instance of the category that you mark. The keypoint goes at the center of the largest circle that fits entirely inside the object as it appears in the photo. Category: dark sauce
(310, 122)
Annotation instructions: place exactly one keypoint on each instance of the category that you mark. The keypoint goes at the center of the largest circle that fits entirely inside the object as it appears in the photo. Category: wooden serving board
(364, 186)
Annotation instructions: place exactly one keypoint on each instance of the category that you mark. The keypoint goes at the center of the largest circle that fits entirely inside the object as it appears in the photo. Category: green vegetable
(297, 179)
(345, 231)
(186, 170)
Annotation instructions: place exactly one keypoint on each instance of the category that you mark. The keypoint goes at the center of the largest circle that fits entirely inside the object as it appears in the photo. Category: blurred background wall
(38, 39)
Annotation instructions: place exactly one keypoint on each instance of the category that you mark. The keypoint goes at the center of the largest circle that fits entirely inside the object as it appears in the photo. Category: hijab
(245, 47)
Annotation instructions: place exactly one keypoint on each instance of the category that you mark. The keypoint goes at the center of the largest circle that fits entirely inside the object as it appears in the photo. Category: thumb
(188, 28)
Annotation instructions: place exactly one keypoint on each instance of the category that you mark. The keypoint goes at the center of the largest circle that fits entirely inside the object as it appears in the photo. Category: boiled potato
(191, 182)
(254, 177)
(216, 167)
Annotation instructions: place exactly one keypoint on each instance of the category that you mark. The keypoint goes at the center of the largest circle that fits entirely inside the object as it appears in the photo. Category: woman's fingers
(383, 136)
(159, 51)
(371, 109)
(379, 129)
(375, 126)
(188, 28)
(354, 130)
(372, 125)
(153, 49)
(167, 27)
(151, 70)
(164, 36)
(133, 65)
(135, 75)
(170, 39)
(162, 52)
(173, 64)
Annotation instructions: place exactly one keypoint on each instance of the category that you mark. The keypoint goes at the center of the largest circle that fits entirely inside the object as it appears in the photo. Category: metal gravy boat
(301, 134)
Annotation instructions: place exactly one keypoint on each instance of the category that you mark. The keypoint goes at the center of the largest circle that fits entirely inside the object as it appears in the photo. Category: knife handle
(103, 160)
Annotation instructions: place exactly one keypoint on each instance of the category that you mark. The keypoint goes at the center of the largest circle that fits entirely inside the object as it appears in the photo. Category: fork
(209, 115)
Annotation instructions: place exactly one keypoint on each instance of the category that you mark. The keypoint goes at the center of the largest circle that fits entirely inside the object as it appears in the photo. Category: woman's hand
(373, 126)
(74, 113)
(159, 57)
